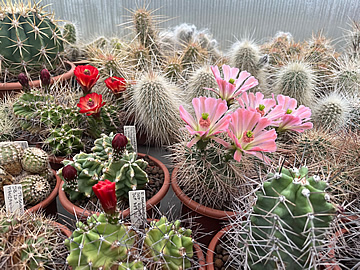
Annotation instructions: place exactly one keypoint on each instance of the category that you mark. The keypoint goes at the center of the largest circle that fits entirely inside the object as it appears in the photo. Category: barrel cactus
(10, 158)
(30, 38)
(35, 189)
(35, 160)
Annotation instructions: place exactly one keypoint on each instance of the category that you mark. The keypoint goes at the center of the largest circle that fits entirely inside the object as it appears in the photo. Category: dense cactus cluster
(100, 243)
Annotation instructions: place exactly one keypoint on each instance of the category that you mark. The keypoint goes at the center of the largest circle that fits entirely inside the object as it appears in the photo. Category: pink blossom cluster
(252, 128)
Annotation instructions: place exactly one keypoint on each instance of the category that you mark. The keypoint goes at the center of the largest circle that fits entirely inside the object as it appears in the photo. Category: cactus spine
(199, 81)
(35, 160)
(35, 189)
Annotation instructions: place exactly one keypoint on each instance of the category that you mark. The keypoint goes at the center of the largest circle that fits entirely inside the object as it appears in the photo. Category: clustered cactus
(287, 226)
(100, 243)
(30, 241)
(30, 168)
(105, 163)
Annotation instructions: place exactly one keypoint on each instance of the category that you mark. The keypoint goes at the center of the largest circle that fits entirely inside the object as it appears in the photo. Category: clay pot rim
(48, 200)
(65, 230)
(36, 83)
(195, 206)
(211, 249)
(73, 209)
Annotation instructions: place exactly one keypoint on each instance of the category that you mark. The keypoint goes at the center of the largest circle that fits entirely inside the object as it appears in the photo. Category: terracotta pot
(80, 212)
(49, 204)
(65, 230)
(210, 219)
(16, 86)
(211, 249)
(200, 256)
(55, 162)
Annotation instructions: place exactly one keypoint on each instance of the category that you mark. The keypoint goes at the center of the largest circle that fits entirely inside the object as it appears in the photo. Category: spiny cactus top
(29, 37)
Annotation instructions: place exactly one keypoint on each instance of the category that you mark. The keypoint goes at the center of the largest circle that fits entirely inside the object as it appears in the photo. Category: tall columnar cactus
(35, 160)
(296, 80)
(35, 189)
(287, 226)
(30, 242)
(170, 244)
(29, 37)
(128, 173)
(332, 111)
(200, 82)
(99, 244)
(155, 104)
(10, 158)
(69, 33)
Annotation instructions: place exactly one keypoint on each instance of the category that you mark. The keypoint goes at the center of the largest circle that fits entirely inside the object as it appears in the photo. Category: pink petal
(187, 117)
(193, 141)
(215, 71)
(237, 155)
(243, 75)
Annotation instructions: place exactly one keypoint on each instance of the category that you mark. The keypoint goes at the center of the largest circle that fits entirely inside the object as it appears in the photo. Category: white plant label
(130, 132)
(14, 198)
(23, 144)
(137, 202)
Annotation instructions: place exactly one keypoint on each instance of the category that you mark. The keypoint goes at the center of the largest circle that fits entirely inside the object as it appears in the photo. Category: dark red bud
(45, 77)
(69, 173)
(119, 142)
(23, 80)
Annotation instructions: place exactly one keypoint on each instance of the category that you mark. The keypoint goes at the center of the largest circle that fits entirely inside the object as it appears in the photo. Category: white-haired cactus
(35, 160)
(155, 104)
(10, 158)
(296, 80)
(99, 244)
(170, 244)
(35, 189)
(200, 82)
(287, 226)
(29, 37)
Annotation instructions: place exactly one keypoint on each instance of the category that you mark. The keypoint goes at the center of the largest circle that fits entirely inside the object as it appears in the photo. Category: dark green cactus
(65, 140)
(288, 223)
(29, 37)
(128, 173)
(170, 244)
(99, 244)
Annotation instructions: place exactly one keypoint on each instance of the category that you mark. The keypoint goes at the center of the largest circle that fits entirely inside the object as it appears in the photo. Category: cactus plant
(296, 80)
(69, 33)
(35, 189)
(10, 158)
(154, 104)
(5, 179)
(99, 244)
(30, 38)
(198, 83)
(287, 225)
(30, 241)
(169, 243)
(35, 160)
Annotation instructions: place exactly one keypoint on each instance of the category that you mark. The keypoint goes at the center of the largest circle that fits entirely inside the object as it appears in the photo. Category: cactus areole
(29, 38)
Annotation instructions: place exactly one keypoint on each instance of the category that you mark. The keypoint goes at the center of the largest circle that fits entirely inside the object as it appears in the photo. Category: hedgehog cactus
(69, 33)
(288, 223)
(35, 160)
(10, 158)
(99, 244)
(170, 244)
(200, 82)
(29, 37)
(128, 173)
(35, 189)
(30, 242)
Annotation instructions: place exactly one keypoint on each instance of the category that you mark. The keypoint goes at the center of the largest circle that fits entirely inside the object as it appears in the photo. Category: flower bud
(45, 77)
(119, 142)
(69, 173)
(23, 80)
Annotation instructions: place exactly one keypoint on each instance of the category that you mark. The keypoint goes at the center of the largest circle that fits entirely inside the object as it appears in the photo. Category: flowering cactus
(116, 84)
(86, 76)
(91, 104)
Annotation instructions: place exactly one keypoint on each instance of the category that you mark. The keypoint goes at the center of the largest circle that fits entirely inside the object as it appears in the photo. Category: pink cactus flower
(209, 120)
(293, 119)
(232, 85)
(266, 107)
(247, 131)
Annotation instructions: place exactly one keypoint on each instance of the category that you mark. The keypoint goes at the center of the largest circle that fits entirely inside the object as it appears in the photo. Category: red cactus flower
(91, 104)
(86, 76)
(116, 84)
(105, 191)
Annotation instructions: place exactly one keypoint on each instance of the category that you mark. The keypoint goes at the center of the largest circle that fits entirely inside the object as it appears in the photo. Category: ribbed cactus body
(170, 244)
(5, 179)
(35, 160)
(35, 189)
(245, 55)
(10, 158)
(288, 223)
(200, 82)
(128, 173)
(29, 38)
(69, 33)
(99, 244)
